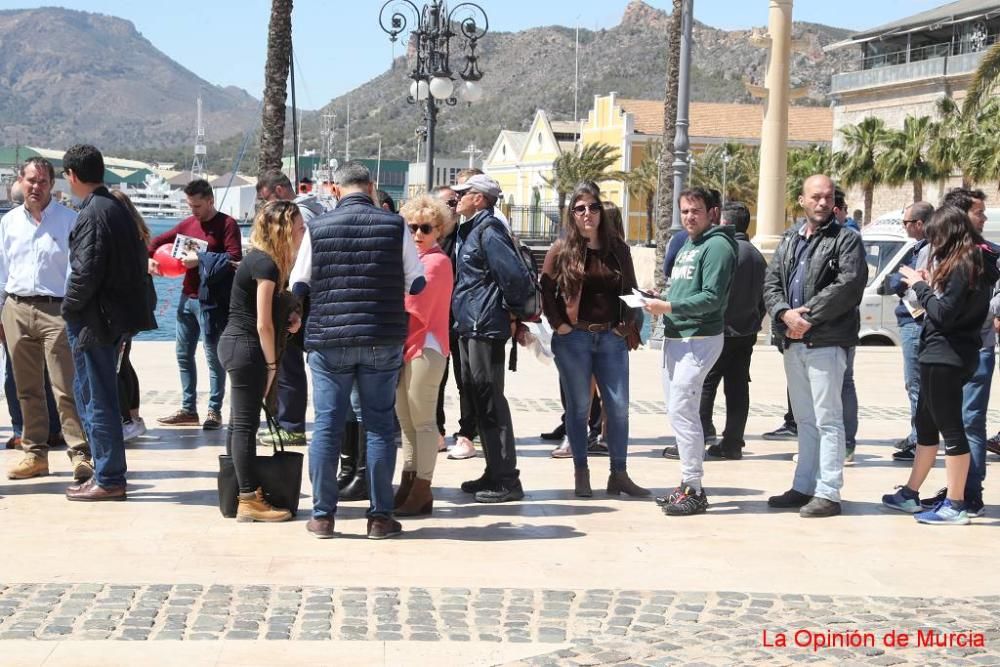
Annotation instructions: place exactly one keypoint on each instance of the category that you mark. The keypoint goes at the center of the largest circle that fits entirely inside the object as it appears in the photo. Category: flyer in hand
(184, 244)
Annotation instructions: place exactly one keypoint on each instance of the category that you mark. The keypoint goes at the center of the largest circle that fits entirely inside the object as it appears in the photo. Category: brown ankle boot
(419, 502)
(405, 484)
(619, 482)
(581, 483)
(253, 507)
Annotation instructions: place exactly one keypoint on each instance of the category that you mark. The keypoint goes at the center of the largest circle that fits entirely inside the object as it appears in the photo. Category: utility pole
(198, 163)
(473, 154)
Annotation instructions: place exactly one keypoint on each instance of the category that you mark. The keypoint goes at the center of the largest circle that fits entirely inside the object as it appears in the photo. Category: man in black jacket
(105, 301)
(812, 289)
(744, 313)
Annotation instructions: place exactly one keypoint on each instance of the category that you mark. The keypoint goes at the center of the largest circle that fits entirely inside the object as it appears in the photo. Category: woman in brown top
(583, 276)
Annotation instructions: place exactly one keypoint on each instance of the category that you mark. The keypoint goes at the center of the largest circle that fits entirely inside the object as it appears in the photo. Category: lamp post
(726, 157)
(681, 144)
(433, 79)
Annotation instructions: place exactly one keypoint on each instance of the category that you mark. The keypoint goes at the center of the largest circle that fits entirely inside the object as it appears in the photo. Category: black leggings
(243, 360)
(939, 408)
(128, 384)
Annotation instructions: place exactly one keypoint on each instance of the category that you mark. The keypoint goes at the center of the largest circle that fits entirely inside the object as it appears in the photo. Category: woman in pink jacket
(425, 357)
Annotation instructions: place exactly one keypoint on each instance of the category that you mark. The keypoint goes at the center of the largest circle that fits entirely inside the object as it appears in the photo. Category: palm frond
(985, 81)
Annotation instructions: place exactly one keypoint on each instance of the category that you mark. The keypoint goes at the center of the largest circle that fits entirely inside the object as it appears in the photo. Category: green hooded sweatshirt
(699, 284)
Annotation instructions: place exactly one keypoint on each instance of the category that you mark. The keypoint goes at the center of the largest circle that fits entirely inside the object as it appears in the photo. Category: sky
(339, 45)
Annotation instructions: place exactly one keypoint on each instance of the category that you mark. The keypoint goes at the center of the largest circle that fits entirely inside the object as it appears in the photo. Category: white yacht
(157, 200)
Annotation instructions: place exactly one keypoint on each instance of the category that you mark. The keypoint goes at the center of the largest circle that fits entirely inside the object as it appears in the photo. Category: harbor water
(168, 290)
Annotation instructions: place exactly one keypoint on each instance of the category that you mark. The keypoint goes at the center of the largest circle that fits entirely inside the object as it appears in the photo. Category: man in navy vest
(360, 261)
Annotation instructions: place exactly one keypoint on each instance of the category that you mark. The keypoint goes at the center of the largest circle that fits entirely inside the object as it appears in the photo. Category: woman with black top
(248, 345)
(584, 274)
(955, 295)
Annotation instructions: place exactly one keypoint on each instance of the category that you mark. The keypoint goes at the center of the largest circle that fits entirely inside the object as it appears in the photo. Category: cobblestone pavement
(592, 627)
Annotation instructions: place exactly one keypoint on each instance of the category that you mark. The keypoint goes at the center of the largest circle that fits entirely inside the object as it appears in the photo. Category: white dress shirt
(301, 271)
(34, 256)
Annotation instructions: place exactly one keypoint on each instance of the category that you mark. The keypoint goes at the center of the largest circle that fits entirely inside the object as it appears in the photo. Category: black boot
(358, 487)
(348, 455)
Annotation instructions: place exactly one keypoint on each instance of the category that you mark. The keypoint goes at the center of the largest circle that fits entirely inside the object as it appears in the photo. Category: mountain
(69, 76)
(534, 68)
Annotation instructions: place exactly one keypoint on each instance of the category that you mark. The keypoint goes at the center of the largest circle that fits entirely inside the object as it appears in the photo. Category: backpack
(531, 309)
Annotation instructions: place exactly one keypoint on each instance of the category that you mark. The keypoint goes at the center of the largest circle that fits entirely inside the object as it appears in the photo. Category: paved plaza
(164, 579)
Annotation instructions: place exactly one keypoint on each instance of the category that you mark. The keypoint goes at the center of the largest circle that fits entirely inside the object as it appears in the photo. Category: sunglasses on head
(583, 208)
(425, 228)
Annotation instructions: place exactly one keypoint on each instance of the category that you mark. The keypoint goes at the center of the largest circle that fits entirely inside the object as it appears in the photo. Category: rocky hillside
(68, 76)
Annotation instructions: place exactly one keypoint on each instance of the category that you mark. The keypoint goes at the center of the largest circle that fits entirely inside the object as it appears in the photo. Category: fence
(536, 223)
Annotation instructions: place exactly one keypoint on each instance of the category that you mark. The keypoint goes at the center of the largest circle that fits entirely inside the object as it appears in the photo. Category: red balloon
(170, 266)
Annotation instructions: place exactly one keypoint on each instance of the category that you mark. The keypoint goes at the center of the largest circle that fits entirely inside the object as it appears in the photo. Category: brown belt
(593, 327)
(35, 298)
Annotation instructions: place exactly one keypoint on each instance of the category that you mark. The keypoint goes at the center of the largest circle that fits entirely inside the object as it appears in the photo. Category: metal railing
(534, 223)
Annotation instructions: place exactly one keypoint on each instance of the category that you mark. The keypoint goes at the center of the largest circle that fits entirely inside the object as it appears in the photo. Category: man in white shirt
(34, 267)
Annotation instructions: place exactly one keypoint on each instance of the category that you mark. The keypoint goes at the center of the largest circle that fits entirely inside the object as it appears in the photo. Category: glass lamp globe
(442, 87)
(418, 90)
(472, 91)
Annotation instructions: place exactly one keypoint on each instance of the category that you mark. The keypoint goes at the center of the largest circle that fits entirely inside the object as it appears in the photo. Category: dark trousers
(293, 388)
(128, 383)
(14, 405)
(733, 368)
(483, 369)
(243, 360)
(939, 408)
(467, 408)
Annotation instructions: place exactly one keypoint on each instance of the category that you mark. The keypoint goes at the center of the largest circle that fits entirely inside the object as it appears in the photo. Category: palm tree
(279, 56)
(587, 164)
(801, 164)
(859, 162)
(906, 157)
(730, 168)
(984, 82)
(642, 181)
(961, 139)
(665, 201)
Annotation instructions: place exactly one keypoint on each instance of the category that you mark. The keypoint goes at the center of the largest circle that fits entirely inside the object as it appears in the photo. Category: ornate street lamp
(433, 80)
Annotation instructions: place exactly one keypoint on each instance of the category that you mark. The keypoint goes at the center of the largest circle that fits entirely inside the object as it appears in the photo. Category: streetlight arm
(397, 21)
(473, 26)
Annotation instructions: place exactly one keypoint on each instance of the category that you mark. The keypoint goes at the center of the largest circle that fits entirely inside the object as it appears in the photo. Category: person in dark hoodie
(955, 294)
(693, 331)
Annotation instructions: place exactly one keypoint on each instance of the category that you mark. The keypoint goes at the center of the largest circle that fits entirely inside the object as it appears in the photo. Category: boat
(157, 200)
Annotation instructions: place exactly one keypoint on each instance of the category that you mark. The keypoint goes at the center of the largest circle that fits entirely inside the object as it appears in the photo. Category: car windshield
(878, 254)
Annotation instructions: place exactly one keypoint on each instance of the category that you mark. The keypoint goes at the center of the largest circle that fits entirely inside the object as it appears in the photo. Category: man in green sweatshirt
(693, 336)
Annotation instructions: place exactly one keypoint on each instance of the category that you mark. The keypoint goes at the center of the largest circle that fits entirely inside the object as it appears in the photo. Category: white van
(886, 244)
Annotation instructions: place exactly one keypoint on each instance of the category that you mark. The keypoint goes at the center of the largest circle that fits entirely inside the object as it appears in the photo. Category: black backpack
(531, 309)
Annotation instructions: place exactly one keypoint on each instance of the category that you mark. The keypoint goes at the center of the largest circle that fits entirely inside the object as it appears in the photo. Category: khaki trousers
(36, 339)
(416, 407)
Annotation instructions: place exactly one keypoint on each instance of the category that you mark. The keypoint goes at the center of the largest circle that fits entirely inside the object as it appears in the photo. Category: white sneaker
(463, 449)
(133, 429)
(563, 451)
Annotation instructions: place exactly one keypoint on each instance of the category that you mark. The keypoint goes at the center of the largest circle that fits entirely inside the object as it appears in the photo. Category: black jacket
(836, 276)
(107, 289)
(745, 309)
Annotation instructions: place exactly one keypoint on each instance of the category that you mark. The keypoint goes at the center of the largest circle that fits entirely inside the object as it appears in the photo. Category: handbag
(280, 476)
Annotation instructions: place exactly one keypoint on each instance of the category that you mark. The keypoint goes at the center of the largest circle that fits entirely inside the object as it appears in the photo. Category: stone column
(774, 131)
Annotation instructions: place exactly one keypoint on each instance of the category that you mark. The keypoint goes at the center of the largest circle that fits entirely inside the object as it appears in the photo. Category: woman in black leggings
(955, 295)
(248, 349)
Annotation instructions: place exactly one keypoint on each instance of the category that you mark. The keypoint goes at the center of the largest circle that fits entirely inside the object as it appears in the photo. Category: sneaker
(382, 528)
(904, 443)
(463, 449)
(819, 508)
(180, 418)
(849, 457)
(476, 485)
(903, 500)
(905, 455)
(723, 452)
(993, 445)
(944, 514)
(133, 429)
(29, 466)
(784, 432)
(563, 451)
(83, 469)
(670, 452)
(686, 503)
(501, 493)
(289, 438)
(790, 499)
(321, 528)
(933, 501)
(213, 422)
(558, 433)
(975, 508)
(669, 498)
(597, 447)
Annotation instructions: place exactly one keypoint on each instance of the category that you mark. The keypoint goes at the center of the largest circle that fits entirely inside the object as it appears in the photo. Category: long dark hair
(572, 255)
(954, 245)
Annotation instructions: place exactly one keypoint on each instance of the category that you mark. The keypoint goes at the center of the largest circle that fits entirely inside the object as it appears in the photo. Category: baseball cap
(480, 183)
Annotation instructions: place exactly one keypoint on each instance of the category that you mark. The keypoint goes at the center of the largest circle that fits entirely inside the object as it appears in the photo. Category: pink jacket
(429, 310)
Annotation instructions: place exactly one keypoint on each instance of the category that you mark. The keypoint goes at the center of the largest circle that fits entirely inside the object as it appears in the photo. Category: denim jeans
(909, 335)
(849, 399)
(603, 355)
(686, 363)
(95, 389)
(293, 389)
(334, 372)
(975, 397)
(14, 405)
(815, 385)
(192, 324)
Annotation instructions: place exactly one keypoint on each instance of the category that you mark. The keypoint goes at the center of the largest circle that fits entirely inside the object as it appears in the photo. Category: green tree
(642, 181)
(730, 168)
(859, 162)
(587, 164)
(907, 155)
(279, 56)
(801, 164)
(984, 82)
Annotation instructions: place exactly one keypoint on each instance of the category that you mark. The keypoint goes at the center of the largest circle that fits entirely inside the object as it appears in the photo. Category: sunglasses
(452, 203)
(910, 222)
(425, 228)
(583, 208)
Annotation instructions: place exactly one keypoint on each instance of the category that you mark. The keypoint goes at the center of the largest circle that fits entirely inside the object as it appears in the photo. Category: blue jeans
(581, 355)
(909, 334)
(95, 389)
(975, 397)
(192, 324)
(815, 384)
(14, 405)
(334, 372)
(849, 399)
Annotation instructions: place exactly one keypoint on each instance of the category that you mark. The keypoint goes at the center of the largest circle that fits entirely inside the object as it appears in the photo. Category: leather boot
(581, 483)
(405, 484)
(619, 482)
(419, 502)
(254, 507)
(357, 489)
(348, 455)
